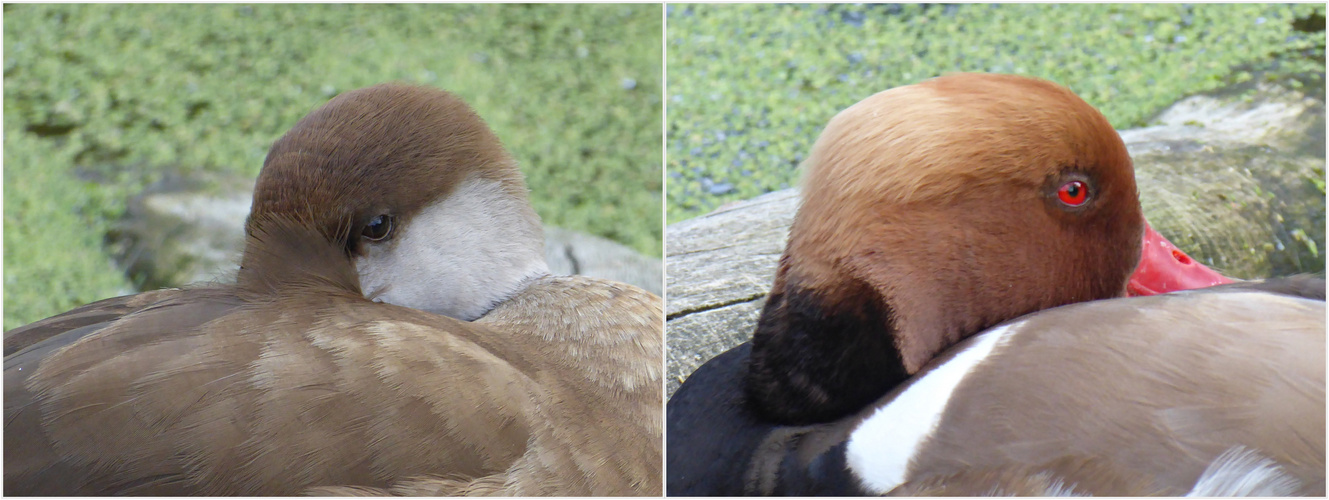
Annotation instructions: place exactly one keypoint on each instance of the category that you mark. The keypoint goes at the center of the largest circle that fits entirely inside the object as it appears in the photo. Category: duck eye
(1073, 193)
(378, 228)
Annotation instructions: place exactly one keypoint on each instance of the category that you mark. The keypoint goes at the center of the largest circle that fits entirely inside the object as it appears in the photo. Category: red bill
(1165, 268)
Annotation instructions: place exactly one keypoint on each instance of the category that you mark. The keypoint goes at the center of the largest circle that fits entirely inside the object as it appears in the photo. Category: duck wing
(212, 395)
(96, 314)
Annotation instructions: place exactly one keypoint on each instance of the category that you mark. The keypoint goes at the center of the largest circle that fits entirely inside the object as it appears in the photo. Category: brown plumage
(291, 381)
(1190, 376)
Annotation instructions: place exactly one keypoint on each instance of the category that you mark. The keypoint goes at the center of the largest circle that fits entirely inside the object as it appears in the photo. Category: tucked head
(414, 189)
(933, 211)
(997, 186)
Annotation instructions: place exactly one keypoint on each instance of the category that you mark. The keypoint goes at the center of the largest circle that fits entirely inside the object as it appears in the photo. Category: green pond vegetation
(751, 85)
(104, 100)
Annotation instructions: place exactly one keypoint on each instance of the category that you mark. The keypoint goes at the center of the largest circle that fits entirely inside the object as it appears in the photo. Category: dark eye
(378, 228)
(1073, 193)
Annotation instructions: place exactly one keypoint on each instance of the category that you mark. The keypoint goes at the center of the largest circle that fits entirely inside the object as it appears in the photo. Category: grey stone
(183, 230)
(572, 252)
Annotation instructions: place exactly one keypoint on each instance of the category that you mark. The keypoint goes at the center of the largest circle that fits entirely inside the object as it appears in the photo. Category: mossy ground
(103, 100)
(750, 86)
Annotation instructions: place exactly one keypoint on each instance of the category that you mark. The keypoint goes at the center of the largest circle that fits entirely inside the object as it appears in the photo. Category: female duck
(393, 329)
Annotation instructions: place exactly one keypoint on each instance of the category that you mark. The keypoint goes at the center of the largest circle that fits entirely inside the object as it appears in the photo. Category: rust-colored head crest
(1004, 173)
(933, 211)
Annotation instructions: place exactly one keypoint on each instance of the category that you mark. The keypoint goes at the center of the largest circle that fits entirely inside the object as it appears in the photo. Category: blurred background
(750, 86)
(104, 101)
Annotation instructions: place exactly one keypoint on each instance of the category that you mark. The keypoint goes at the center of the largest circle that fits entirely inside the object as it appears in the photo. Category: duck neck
(824, 347)
(821, 352)
(284, 255)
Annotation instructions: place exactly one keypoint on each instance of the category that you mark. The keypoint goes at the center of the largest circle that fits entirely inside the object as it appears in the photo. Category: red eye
(1073, 193)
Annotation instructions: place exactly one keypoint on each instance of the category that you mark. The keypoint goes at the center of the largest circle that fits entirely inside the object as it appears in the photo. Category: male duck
(919, 339)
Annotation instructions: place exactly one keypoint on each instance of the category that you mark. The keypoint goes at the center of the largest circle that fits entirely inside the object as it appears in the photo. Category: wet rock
(1236, 178)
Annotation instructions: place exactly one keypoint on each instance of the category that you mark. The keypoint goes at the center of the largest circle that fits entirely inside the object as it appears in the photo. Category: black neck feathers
(817, 357)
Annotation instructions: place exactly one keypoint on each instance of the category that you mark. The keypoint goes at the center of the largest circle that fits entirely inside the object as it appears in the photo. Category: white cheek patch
(880, 449)
(459, 256)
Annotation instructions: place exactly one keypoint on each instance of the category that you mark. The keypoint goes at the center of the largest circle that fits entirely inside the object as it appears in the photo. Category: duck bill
(1165, 268)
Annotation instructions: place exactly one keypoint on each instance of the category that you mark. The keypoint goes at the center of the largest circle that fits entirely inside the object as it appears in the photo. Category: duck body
(368, 395)
(950, 317)
(371, 344)
(1148, 394)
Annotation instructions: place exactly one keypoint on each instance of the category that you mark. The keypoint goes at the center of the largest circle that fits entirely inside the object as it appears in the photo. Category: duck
(962, 308)
(393, 329)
